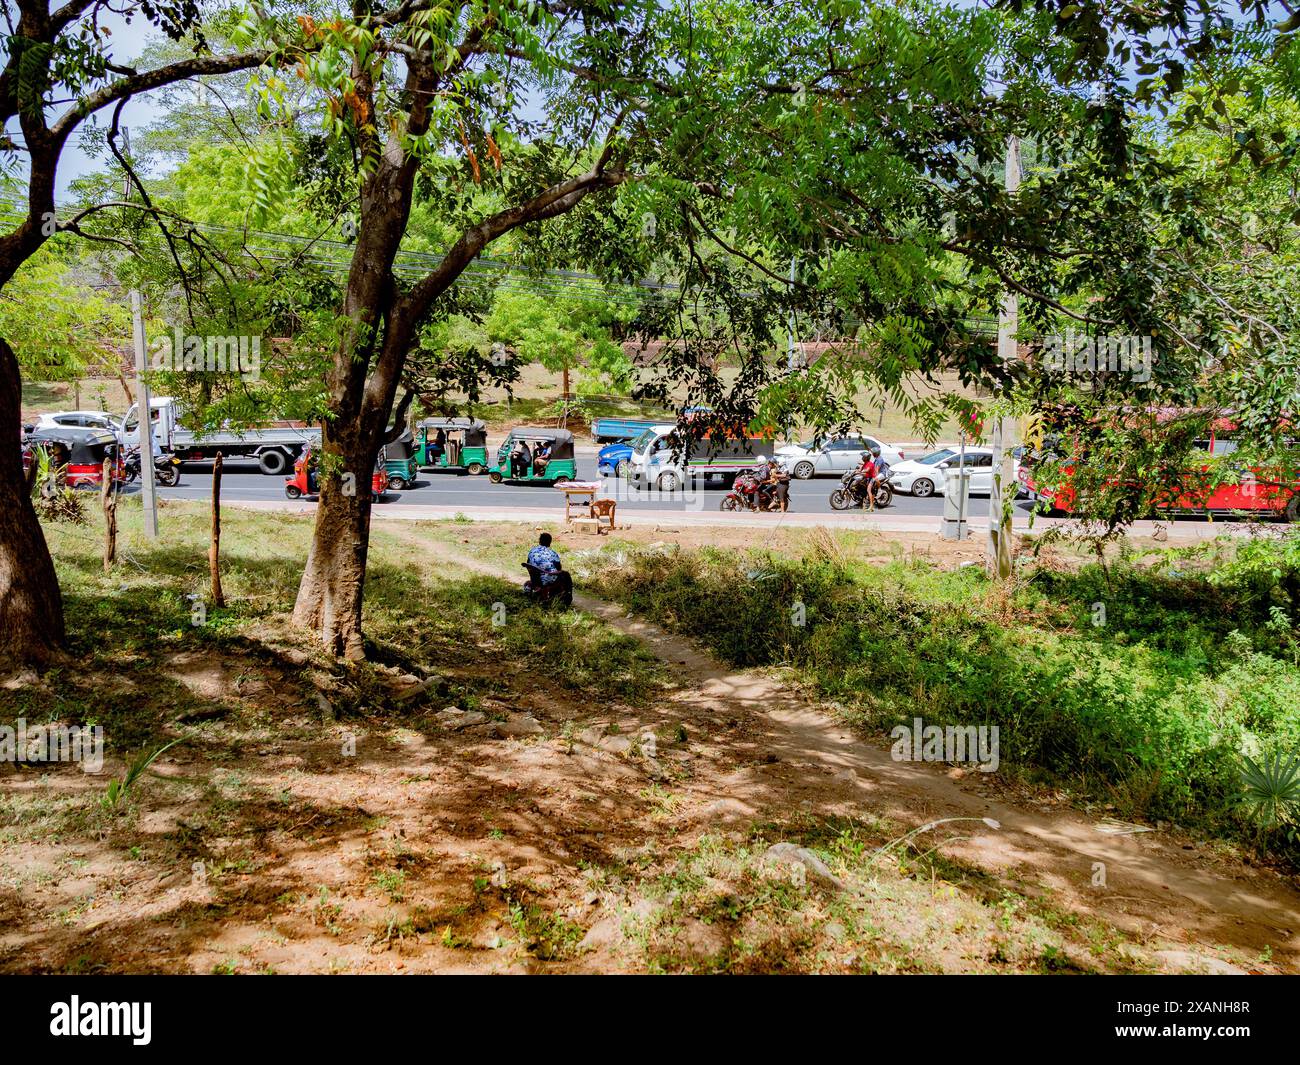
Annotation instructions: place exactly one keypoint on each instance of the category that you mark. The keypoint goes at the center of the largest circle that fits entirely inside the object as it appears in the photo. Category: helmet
(875, 451)
(866, 455)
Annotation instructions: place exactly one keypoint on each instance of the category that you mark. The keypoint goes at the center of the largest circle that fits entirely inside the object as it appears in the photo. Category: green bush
(1150, 711)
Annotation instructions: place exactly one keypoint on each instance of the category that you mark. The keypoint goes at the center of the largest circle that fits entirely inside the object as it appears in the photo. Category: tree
(59, 71)
(565, 333)
(459, 67)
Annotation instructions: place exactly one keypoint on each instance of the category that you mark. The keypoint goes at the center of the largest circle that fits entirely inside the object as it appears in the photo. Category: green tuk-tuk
(458, 444)
(399, 461)
(556, 466)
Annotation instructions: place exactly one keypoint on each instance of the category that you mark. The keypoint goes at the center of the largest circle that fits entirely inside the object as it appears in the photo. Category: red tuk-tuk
(304, 483)
(78, 453)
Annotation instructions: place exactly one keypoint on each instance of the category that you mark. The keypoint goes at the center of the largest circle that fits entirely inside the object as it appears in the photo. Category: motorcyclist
(864, 478)
(882, 472)
(780, 481)
(762, 474)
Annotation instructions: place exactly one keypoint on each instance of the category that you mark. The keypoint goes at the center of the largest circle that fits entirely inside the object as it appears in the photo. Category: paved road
(242, 481)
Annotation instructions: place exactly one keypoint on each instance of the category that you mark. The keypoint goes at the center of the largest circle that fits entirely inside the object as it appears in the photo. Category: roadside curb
(1183, 532)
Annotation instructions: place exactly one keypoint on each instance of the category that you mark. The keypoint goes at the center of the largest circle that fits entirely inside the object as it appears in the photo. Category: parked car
(833, 456)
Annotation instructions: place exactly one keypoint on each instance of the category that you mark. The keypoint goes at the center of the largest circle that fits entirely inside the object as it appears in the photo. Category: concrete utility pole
(145, 410)
(789, 325)
(998, 552)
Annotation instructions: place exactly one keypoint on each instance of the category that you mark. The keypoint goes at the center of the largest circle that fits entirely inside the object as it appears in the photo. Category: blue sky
(128, 40)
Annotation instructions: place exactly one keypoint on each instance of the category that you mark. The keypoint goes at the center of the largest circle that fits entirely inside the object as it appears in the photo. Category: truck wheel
(273, 462)
(494, 477)
(397, 484)
(474, 469)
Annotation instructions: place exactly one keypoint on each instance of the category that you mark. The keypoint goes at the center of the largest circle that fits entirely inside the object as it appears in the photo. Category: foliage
(1148, 712)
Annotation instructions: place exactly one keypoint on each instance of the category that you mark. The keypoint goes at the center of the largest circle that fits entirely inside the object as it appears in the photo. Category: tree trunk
(31, 606)
(333, 581)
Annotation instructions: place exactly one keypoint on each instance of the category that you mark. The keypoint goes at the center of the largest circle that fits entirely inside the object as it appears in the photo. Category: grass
(1147, 713)
(134, 625)
(721, 906)
(713, 904)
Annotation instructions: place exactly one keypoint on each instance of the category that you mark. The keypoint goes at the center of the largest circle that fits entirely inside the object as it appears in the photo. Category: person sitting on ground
(541, 457)
(546, 561)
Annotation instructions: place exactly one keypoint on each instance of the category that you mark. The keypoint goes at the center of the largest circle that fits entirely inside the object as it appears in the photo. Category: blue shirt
(546, 560)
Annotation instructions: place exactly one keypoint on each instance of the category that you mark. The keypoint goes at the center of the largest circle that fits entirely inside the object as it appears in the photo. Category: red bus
(1257, 492)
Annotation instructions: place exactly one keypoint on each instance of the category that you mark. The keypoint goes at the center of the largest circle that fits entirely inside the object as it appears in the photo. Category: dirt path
(1152, 884)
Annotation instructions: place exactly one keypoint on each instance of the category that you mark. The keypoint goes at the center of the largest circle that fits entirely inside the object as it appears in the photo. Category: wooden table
(578, 496)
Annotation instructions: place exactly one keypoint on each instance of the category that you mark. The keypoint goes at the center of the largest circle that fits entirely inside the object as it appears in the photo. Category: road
(241, 481)
(443, 495)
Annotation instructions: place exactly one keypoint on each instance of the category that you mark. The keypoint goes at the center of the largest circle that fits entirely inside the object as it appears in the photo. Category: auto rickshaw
(78, 453)
(400, 464)
(559, 466)
(465, 449)
(305, 482)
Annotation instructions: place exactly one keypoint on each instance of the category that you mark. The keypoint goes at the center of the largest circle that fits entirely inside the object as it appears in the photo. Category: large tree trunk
(333, 582)
(31, 606)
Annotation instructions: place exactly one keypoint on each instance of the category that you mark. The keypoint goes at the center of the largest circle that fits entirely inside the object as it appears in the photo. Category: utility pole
(789, 342)
(144, 409)
(998, 551)
(144, 406)
(789, 323)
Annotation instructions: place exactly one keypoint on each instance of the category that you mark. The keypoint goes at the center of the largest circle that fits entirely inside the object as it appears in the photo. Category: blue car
(612, 459)
(609, 459)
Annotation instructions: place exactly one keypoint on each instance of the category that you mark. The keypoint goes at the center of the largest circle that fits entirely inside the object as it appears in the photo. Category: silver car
(832, 457)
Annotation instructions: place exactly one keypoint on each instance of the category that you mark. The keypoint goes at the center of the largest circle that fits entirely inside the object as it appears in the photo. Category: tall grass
(1149, 711)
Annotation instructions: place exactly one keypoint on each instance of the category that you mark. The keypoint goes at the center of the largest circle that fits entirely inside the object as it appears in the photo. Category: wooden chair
(603, 511)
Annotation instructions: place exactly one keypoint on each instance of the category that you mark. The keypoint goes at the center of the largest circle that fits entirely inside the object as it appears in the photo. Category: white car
(82, 419)
(832, 456)
(926, 476)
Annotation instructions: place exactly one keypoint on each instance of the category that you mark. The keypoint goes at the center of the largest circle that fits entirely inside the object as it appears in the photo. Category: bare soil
(556, 836)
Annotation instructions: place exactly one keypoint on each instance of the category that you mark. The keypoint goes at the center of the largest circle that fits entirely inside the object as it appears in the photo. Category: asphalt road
(242, 481)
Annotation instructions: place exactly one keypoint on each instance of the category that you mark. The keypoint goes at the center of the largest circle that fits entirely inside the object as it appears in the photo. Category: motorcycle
(852, 492)
(166, 468)
(745, 495)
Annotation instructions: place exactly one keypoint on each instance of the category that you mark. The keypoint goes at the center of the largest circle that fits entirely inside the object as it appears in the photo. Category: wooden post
(214, 550)
(108, 499)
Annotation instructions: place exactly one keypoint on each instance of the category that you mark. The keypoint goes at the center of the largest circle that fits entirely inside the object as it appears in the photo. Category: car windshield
(937, 456)
(639, 442)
